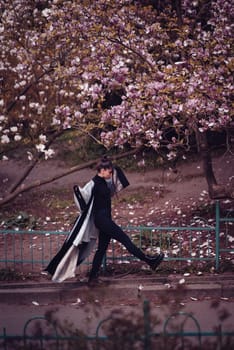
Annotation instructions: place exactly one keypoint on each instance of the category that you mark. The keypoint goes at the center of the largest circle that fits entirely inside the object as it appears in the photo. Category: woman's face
(105, 173)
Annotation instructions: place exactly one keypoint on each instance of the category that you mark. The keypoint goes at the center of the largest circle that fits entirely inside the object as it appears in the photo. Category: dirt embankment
(150, 193)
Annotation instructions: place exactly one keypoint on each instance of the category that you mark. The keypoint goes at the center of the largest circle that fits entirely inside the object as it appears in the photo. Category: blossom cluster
(62, 62)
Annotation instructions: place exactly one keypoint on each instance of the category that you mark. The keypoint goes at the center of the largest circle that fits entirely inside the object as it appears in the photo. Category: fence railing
(196, 242)
(143, 334)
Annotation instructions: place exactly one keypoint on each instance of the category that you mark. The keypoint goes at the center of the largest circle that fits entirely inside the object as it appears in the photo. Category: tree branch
(25, 90)
(24, 188)
(33, 164)
(131, 49)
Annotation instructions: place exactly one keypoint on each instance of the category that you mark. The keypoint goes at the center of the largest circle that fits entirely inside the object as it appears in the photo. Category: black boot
(154, 261)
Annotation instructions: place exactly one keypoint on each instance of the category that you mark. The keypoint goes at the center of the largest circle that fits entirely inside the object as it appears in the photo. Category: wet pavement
(207, 313)
(208, 298)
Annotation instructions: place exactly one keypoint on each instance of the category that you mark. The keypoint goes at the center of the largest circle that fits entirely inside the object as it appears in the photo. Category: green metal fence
(224, 228)
(199, 241)
(144, 334)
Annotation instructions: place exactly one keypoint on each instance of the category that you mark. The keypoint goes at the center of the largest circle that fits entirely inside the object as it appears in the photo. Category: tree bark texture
(216, 191)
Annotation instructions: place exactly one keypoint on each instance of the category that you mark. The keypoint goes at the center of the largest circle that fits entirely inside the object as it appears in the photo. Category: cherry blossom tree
(127, 73)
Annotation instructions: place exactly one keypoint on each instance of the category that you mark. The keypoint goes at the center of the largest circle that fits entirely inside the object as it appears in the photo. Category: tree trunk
(216, 191)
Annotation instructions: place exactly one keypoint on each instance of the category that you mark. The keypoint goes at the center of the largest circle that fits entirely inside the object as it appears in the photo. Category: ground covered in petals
(160, 197)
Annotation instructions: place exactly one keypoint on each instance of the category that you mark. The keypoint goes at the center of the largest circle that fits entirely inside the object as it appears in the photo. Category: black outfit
(64, 263)
(107, 227)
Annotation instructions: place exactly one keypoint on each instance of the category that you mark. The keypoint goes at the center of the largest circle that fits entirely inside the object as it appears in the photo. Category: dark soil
(154, 198)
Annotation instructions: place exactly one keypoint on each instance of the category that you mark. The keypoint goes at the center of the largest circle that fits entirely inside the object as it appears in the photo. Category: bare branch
(87, 133)
(24, 188)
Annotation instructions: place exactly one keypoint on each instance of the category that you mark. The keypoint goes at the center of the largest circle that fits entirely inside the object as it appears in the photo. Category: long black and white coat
(84, 232)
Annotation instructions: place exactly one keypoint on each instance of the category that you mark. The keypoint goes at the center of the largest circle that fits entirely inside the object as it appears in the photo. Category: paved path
(87, 317)
(115, 289)
(210, 299)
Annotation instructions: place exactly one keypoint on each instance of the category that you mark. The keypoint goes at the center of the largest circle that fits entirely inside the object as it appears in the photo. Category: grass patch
(21, 220)
(133, 197)
(10, 275)
(73, 149)
(58, 203)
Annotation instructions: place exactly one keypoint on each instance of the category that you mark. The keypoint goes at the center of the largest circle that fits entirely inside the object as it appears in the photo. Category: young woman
(103, 189)
(95, 221)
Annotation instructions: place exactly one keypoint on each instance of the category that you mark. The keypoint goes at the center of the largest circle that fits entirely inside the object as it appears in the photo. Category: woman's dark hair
(104, 163)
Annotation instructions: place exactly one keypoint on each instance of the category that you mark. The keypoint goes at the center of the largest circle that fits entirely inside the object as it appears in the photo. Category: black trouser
(109, 229)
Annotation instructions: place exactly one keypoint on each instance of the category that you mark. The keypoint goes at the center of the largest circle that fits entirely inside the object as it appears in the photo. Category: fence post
(5, 338)
(147, 326)
(217, 237)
